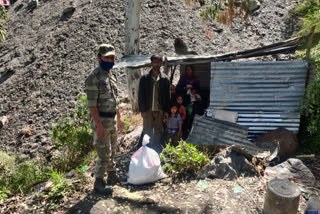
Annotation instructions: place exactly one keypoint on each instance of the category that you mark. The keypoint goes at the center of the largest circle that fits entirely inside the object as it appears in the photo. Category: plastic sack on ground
(145, 166)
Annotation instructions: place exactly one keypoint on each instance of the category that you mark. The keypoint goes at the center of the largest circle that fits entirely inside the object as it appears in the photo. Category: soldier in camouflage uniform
(102, 98)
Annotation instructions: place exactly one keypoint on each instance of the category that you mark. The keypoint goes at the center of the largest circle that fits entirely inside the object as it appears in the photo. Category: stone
(228, 165)
(70, 173)
(291, 169)
(287, 141)
(3, 121)
(134, 135)
(252, 5)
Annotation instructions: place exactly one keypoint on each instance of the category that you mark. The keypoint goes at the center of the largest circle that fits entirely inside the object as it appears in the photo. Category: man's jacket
(146, 90)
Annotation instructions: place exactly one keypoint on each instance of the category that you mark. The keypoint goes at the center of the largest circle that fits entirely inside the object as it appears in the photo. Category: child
(195, 100)
(182, 113)
(174, 125)
(181, 109)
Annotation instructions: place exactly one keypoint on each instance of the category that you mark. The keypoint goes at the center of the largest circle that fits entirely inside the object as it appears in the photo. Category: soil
(242, 195)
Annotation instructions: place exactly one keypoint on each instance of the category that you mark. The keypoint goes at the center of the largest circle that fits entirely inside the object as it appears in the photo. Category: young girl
(181, 109)
(174, 125)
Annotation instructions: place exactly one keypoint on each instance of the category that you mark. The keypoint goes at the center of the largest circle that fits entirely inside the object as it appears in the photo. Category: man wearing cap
(153, 101)
(101, 90)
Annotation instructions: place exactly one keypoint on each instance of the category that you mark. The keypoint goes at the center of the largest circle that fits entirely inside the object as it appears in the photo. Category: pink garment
(182, 112)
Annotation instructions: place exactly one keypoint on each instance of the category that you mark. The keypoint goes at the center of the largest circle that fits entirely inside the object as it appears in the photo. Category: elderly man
(154, 98)
(102, 101)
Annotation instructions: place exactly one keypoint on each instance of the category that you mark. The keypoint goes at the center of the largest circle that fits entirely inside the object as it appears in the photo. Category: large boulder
(287, 141)
(228, 165)
(291, 169)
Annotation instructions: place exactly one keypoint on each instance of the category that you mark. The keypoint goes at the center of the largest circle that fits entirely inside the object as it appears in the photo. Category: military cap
(106, 50)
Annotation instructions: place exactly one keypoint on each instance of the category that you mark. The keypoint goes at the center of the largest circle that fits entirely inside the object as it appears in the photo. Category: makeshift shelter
(266, 94)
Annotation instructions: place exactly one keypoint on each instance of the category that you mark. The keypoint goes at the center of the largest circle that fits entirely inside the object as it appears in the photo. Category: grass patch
(129, 123)
(19, 175)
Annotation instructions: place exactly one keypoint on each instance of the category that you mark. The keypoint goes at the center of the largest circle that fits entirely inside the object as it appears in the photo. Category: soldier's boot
(113, 178)
(100, 187)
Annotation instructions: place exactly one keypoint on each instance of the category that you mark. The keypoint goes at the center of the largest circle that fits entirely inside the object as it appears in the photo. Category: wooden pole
(132, 43)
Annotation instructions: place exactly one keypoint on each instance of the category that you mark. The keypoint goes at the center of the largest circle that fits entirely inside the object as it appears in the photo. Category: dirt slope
(48, 53)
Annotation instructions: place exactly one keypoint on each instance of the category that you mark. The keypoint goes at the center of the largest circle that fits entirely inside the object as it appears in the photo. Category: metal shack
(266, 94)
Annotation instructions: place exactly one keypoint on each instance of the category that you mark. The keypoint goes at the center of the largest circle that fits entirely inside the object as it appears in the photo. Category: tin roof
(139, 61)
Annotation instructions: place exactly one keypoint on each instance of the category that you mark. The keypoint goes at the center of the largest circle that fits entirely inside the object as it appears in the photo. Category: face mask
(106, 65)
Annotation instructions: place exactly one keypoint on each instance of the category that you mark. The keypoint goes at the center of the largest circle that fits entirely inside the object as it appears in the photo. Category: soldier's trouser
(153, 126)
(106, 148)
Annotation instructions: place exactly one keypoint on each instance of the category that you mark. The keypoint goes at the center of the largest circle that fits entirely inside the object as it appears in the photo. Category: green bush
(19, 175)
(72, 136)
(183, 160)
(309, 134)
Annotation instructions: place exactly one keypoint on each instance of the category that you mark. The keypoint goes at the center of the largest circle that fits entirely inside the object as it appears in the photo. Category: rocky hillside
(50, 49)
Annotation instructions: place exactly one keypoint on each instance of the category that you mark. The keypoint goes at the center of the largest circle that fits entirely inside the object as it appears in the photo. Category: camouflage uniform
(102, 92)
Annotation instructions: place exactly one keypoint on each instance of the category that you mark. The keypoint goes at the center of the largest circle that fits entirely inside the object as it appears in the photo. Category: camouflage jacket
(101, 90)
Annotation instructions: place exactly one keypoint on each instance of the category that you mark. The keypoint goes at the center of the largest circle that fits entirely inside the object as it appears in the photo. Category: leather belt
(107, 114)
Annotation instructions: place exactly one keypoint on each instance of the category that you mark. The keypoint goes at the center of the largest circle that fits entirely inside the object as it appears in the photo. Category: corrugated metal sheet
(265, 94)
(140, 61)
(209, 131)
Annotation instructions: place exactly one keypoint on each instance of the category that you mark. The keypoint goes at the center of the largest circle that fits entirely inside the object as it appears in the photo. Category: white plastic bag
(145, 166)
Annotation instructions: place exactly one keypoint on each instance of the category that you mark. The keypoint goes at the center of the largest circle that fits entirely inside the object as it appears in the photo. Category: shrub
(184, 159)
(309, 134)
(72, 136)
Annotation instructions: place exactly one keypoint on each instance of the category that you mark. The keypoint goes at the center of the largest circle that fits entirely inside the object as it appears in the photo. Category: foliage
(128, 122)
(88, 158)
(309, 135)
(225, 10)
(72, 136)
(60, 187)
(3, 20)
(184, 159)
(310, 109)
(309, 15)
(19, 175)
